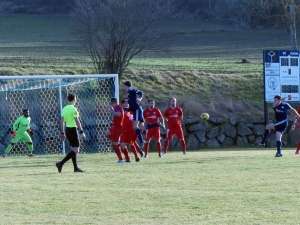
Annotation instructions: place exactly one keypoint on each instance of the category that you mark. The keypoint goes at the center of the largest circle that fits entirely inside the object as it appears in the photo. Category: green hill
(200, 63)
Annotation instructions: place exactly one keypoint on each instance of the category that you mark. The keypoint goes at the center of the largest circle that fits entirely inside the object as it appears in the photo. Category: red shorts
(116, 133)
(155, 132)
(171, 131)
(128, 137)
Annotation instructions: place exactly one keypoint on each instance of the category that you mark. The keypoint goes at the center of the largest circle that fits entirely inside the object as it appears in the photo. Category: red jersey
(127, 123)
(298, 110)
(152, 116)
(118, 120)
(174, 116)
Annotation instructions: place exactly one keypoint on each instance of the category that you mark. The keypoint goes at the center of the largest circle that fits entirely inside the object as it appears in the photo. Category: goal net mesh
(44, 99)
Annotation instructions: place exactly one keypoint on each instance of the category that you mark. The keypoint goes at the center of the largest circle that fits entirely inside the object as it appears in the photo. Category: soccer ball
(204, 116)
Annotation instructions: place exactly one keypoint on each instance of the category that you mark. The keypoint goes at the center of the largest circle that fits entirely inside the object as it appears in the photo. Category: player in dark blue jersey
(134, 97)
(281, 114)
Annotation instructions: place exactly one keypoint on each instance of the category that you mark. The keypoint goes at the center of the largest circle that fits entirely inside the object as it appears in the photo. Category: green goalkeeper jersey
(22, 124)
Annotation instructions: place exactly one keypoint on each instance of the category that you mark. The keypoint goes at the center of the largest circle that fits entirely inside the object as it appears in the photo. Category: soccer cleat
(185, 153)
(278, 155)
(260, 144)
(120, 161)
(128, 161)
(297, 152)
(31, 155)
(164, 153)
(59, 167)
(160, 155)
(146, 156)
(78, 170)
(137, 159)
(142, 153)
(4, 156)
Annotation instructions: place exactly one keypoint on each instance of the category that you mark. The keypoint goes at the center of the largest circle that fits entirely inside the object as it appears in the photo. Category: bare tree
(114, 31)
(289, 8)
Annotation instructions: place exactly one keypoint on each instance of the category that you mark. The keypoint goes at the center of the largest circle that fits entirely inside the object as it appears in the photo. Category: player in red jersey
(173, 116)
(293, 128)
(118, 117)
(128, 136)
(152, 115)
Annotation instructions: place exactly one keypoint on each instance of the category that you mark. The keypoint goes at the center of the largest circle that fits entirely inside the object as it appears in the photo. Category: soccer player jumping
(134, 98)
(21, 131)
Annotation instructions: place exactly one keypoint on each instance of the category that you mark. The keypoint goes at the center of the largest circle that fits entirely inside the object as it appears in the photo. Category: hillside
(200, 62)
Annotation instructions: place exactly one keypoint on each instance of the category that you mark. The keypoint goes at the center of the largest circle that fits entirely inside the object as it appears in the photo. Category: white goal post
(44, 97)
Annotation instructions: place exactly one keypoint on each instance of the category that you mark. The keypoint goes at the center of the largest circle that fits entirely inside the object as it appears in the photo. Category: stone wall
(219, 133)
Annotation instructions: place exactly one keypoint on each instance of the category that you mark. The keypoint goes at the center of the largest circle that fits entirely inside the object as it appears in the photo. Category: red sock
(183, 146)
(146, 148)
(137, 147)
(118, 151)
(133, 149)
(126, 153)
(166, 145)
(158, 145)
(298, 147)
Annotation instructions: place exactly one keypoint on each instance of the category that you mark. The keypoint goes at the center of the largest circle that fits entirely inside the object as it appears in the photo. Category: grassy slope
(199, 63)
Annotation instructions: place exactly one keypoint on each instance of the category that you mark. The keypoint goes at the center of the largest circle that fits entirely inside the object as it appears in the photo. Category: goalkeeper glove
(13, 134)
(30, 132)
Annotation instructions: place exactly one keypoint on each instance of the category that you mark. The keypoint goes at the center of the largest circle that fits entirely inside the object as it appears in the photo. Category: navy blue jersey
(281, 111)
(132, 98)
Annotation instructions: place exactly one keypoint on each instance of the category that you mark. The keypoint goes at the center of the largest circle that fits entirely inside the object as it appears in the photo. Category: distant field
(200, 61)
(240, 186)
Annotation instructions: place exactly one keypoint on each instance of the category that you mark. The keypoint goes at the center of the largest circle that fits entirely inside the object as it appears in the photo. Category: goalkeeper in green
(21, 131)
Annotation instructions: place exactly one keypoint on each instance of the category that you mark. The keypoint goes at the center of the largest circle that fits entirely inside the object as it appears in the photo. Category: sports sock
(158, 145)
(74, 161)
(298, 147)
(30, 148)
(166, 145)
(133, 149)
(146, 148)
(126, 153)
(118, 151)
(137, 147)
(9, 147)
(183, 145)
(139, 134)
(278, 144)
(264, 137)
(68, 156)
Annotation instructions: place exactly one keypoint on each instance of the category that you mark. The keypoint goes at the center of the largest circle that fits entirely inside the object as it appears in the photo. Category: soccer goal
(44, 97)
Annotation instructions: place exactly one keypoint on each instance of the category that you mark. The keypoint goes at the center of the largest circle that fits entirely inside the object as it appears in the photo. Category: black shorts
(280, 126)
(72, 136)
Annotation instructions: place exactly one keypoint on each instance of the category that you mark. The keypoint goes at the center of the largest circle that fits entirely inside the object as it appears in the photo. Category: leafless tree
(114, 31)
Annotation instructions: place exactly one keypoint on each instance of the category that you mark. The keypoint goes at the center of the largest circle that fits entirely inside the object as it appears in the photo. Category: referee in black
(70, 120)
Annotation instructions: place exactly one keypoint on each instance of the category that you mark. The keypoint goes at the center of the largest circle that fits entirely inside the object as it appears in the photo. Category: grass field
(240, 186)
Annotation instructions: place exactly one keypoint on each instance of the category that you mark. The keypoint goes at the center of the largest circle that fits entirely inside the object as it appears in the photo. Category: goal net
(44, 97)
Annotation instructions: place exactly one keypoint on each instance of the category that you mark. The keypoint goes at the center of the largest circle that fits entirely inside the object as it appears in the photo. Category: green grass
(243, 186)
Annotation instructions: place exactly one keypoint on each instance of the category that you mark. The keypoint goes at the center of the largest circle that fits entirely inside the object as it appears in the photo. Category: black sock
(68, 156)
(74, 160)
